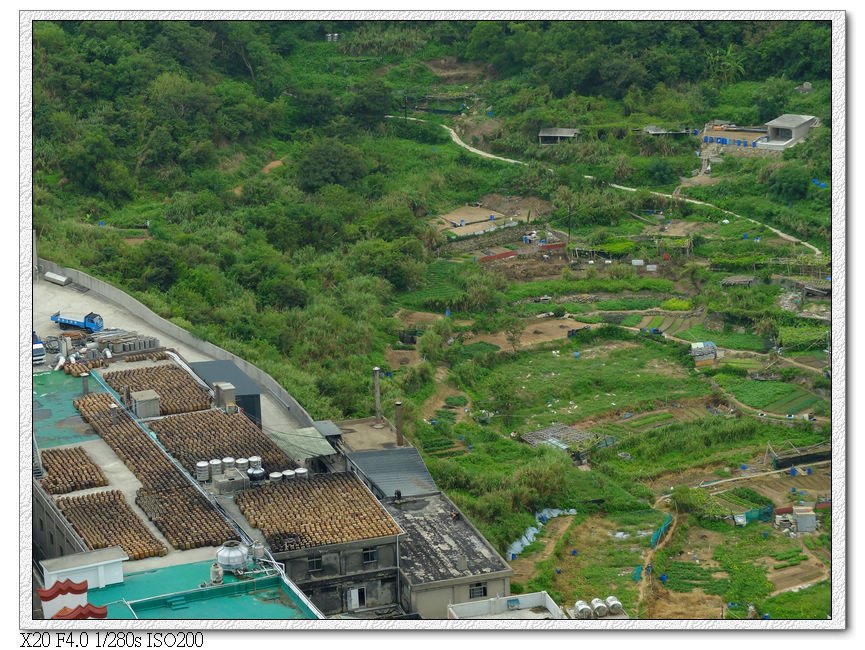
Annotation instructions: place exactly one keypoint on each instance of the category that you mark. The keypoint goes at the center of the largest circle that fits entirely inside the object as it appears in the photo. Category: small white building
(787, 130)
(535, 606)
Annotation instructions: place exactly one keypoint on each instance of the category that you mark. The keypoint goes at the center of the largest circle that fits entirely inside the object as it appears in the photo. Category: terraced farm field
(439, 287)
(609, 377)
(771, 396)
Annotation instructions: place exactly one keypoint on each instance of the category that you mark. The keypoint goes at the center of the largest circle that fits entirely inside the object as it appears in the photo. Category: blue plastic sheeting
(532, 531)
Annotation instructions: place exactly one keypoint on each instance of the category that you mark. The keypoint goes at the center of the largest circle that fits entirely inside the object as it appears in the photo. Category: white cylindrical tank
(599, 607)
(215, 468)
(582, 609)
(202, 470)
(216, 573)
(614, 605)
(275, 477)
(227, 463)
(258, 550)
(288, 475)
(255, 461)
(242, 464)
(232, 555)
(301, 472)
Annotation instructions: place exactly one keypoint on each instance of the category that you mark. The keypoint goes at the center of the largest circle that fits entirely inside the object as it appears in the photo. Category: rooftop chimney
(378, 424)
(400, 441)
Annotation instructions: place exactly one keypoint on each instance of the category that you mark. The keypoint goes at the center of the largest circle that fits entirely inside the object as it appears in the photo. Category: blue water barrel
(743, 467)
(808, 471)
(738, 143)
(513, 556)
(492, 217)
(576, 355)
(754, 144)
(706, 138)
(792, 471)
(711, 139)
(574, 551)
(745, 236)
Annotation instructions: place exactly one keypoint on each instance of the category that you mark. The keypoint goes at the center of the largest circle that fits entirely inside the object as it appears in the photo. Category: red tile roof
(81, 612)
(61, 588)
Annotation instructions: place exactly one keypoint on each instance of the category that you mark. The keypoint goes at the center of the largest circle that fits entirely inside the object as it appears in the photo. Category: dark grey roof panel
(395, 469)
(213, 371)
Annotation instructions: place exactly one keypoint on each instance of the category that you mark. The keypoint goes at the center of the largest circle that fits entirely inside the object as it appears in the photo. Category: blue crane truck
(92, 322)
(38, 350)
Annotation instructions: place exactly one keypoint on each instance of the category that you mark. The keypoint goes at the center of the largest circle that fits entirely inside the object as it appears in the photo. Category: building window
(370, 555)
(313, 563)
(478, 590)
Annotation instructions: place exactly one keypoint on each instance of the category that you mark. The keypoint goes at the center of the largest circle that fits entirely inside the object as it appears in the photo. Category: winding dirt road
(624, 188)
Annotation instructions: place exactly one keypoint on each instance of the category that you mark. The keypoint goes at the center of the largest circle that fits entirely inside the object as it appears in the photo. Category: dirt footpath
(437, 400)
(524, 566)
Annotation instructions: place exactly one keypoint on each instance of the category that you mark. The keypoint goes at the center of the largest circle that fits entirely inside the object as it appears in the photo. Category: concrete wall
(162, 325)
(343, 569)
(432, 603)
(53, 536)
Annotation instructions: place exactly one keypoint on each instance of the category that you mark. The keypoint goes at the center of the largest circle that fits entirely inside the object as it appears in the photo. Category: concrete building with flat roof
(443, 558)
(247, 393)
(786, 130)
(338, 543)
(537, 606)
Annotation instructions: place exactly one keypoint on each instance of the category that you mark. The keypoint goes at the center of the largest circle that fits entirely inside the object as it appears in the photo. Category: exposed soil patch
(700, 180)
(538, 331)
(452, 71)
(806, 573)
(533, 267)
(410, 318)
(271, 165)
(691, 605)
(136, 241)
(524, 566)
(677, 228)
(399, 358)
(517, 206)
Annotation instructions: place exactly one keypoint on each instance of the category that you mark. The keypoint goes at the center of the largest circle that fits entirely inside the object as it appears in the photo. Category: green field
(608, 377)
(772, 396)
(438, 287)
(731, 340)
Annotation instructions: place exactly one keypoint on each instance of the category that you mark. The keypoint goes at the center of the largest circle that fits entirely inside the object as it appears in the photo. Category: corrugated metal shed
(558, 133)
(302, 444)
(327, 428)
(395, 469)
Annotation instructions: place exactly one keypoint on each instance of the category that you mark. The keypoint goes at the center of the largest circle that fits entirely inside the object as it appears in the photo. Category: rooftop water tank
(231, 556)
(599, 607)
(227, 463)
(256, 474)
(275, 477)
(255, 461)
(215, 467)
(288, 475)
(242, 464)
(582, 609)
(301, 472)
(614, 605)
(258, 550)
(202, 470)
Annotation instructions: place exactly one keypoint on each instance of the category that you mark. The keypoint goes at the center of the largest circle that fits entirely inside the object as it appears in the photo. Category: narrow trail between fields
(624, 188)
(646, 583)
